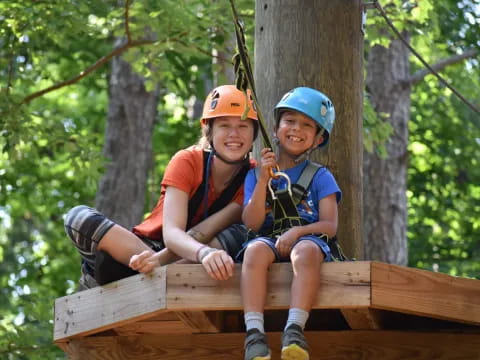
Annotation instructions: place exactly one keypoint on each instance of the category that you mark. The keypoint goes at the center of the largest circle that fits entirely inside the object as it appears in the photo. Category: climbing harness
(284, 202)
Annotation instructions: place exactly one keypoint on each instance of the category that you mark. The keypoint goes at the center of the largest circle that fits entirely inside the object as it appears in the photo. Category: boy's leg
(306, 259)
(257, 258)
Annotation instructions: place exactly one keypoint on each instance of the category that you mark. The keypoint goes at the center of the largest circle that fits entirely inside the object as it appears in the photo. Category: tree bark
(128, 146)
(318, 43)
(385, 180)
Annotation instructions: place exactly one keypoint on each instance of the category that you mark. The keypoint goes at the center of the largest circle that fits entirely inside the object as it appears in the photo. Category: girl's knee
(79, 211)
(86, 226)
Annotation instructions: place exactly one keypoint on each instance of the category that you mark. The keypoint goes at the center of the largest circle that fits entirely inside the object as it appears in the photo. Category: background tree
(392, 73)
(288, 53)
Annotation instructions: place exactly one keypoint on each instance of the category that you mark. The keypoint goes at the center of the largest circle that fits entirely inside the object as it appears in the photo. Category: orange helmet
(227, 100)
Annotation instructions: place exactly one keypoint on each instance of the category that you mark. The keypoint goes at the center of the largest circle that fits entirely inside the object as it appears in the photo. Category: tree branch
(130, 43)
(84, 73)
(442, 64)
(127, 22)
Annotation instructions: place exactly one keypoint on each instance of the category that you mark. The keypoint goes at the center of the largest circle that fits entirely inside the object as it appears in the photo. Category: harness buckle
(279, 174)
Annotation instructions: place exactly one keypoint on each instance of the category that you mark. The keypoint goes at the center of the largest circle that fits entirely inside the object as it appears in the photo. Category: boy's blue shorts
(319, 240)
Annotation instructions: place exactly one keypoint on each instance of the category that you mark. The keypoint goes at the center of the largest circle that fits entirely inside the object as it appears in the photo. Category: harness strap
(285, 213)
(300, 188)
(225, 197)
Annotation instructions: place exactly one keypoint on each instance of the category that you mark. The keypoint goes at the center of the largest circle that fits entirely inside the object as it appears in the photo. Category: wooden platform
(364, 310)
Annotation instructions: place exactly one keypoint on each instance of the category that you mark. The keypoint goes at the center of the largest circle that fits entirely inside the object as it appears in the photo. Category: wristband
(202, 254)
(198, 253)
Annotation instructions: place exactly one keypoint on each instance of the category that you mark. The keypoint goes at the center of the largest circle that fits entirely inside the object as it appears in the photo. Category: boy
(304, 119)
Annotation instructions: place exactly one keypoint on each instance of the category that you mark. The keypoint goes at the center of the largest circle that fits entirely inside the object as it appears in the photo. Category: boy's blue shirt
(322, 185)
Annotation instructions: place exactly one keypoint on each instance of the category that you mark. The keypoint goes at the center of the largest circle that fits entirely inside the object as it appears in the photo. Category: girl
(201, 196)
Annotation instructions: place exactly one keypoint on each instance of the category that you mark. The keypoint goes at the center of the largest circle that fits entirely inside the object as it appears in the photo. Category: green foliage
(443, 192)
(376, 130)
(404, 14)
(444, 176)
(51, 146)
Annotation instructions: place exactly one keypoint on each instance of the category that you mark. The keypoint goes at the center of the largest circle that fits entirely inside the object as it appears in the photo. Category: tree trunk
(385, 180)
(128, 146)
(318, 43)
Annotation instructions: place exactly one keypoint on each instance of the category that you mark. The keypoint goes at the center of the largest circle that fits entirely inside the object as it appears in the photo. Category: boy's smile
(297, 133)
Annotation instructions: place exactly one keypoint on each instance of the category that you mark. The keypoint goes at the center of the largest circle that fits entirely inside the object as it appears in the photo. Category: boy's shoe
(294, 344)
(256, 347)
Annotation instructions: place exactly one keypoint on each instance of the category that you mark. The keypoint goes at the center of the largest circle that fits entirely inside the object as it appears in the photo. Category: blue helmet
(312, 103)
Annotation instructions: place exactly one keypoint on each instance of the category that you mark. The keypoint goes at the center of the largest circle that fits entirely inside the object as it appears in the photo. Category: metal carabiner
(272, 174)
(278, 175)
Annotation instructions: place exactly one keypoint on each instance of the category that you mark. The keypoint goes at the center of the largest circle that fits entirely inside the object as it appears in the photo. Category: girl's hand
(286, 240)
(267, 162)
(218, 264)
(144, 262)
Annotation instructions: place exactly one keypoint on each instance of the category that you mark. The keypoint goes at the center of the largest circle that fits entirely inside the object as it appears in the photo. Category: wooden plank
(163, 323)
(347, 345)
(109, 306)
(343, 285)
(425, 293)
(362, 319)
(201, 322)
(171, 327)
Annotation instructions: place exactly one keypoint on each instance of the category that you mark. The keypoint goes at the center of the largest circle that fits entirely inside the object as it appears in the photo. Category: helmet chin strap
(306, 154)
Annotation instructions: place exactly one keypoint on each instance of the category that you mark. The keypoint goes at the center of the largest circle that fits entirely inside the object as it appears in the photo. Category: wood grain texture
(112, 305)
(201, 321)
(338, 345)
(362, 319)
(343, 285)
(425, 293)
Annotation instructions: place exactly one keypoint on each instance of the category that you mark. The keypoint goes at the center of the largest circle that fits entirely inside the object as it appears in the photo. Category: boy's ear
(319, 139)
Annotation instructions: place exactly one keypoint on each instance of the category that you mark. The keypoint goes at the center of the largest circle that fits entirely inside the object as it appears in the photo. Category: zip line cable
(379, 7)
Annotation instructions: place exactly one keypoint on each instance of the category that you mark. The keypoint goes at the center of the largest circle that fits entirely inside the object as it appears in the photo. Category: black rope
(244, 74)
(419, 57)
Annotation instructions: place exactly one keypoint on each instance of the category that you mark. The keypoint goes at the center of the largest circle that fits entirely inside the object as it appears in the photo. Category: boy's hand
(286, 240)
(267, 162)
(144, 262)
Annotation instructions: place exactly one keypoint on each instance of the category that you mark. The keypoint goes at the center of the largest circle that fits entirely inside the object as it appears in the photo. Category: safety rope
(244, 75)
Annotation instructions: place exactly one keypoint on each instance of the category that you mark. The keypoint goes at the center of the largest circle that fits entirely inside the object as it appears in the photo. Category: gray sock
(254, 320)
(297, 316)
